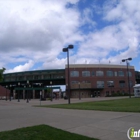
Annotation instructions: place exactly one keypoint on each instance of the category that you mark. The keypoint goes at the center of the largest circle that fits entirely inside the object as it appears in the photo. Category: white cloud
(37, 30)
(20, 68)
(120, 36)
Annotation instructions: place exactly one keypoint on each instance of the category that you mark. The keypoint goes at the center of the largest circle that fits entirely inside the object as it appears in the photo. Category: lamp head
(123, 60)
(70, 47)
(65, 49)
(129, 58)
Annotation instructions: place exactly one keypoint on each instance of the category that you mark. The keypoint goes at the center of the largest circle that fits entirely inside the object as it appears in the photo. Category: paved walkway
(97, 124)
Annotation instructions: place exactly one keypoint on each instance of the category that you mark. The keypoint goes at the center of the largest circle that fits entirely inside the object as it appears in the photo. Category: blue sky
(33, 33)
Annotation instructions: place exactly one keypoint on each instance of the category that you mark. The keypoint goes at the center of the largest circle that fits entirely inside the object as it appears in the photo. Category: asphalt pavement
(104, 125)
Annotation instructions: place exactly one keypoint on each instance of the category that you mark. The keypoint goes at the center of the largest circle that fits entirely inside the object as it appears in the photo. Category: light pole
(79, 91)
(40, 94)
(67, 50)
(10, 92)
(6, 92)
(51, 90)
(24, 92)
(18, 91)
(27, 91)
(123, 60)
(30, 86)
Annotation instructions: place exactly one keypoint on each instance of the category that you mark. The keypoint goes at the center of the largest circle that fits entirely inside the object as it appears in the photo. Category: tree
(1, 74)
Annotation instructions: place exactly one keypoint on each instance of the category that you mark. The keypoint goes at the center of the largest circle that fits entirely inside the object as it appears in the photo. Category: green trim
(37, 71)
(35, 88)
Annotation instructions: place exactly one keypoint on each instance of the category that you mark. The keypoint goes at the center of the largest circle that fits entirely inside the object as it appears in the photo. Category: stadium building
(86, 80)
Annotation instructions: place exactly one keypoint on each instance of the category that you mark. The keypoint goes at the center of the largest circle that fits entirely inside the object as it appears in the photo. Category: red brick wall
(105, 78)
(3, 92)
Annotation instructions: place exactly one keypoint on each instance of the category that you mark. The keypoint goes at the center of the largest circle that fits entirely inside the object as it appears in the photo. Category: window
(36, 77)
(120, 73)
(74, 73)
(74, 82)
(85, 73)
(100, 84)
(131, 83)
(109, 73)
(29, 77)
(20, 78)
(85, 81)
(110, 83)
(115, 73)
(99, 73)
(122, 84)
(130, 74)
(46, 76)
(93, 74)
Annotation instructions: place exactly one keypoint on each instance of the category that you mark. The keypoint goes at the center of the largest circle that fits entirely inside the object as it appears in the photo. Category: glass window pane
(74, 82)
(85, 73)
(120, 73)
(74, 73)
(109, 73)
(100, 84)
(115, 73)
(110, 83)
(99, 73)
(122, 83)
(93, 74)
(130, 74)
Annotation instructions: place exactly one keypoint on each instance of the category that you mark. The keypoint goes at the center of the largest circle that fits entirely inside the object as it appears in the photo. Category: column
(33, 94)
(24, 94)
(14, 94)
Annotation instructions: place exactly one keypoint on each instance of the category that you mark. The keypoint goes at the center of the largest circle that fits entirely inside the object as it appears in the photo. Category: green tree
(1, 74)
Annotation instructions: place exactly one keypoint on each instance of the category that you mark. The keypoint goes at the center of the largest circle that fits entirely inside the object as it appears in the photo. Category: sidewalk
(98, 124)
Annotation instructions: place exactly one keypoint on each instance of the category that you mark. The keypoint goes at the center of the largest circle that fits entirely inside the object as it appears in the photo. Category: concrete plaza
(104, 125)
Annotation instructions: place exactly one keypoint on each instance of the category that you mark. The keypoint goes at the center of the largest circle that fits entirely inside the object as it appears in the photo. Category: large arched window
(99, 73)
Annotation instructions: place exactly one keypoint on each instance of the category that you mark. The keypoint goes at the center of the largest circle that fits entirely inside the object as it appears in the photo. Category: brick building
(87, 80)
(4, 93)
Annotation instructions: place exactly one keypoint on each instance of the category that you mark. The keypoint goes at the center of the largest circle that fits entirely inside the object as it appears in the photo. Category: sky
(34, 32)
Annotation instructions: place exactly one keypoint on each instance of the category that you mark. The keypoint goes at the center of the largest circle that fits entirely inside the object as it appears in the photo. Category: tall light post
(51, 90)
(10, 92)
(79, 91)
(40, 93)
(123, 60)
(18, 91)
(24, 92)
(27, 91)
(67, 50)
(6, 92)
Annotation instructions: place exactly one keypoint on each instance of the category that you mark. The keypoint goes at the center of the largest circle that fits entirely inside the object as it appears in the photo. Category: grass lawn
(41, 132)
(120, 105)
